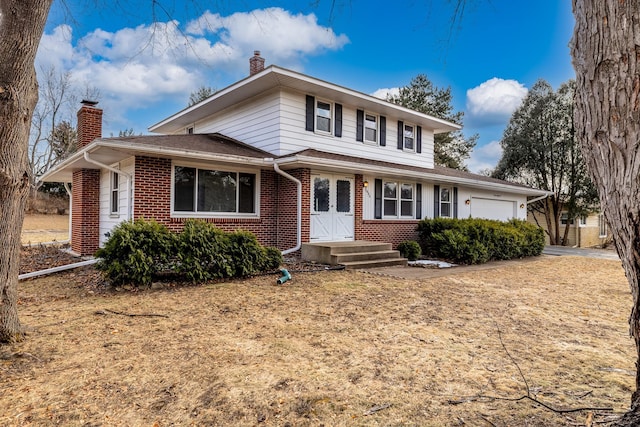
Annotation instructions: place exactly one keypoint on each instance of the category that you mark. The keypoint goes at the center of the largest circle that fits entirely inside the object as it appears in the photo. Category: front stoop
(353, 255)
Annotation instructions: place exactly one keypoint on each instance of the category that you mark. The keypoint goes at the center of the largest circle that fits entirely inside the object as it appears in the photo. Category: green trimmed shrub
(246, 254)
(410, 249)
(272, 258)
(135, 251)
(202, 252)
(473, 241)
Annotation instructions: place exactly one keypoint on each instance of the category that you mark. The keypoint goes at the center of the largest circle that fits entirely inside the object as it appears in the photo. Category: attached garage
(499, 209)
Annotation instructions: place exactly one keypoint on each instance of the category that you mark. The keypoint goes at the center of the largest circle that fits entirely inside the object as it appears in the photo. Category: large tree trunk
(21, 26)
(606, 55)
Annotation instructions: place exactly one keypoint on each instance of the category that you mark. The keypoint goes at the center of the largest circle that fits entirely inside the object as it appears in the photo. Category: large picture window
(213, 191)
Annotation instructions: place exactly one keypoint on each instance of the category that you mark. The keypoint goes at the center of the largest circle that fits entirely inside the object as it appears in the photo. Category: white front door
(331, 208)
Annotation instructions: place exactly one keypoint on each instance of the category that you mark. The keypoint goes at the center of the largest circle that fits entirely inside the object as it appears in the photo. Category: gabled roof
(439, 174)
(224, 150)
(274, 77)
(204, 147)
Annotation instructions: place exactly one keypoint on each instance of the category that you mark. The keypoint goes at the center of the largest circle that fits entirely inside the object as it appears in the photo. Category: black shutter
(338, 128)
(400, 135)
(436, 201)
(455, 202)
(359, 125)
(311, 110)
(383, 131)
(377, 207)
(419, 139)
(418, 201)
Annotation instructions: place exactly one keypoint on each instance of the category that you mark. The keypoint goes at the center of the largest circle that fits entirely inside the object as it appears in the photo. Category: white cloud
(274, 31)
(495, 100)
(485, 157)
(384, 92)
(164, 62)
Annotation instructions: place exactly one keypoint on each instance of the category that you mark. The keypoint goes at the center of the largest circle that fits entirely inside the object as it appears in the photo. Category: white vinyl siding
(275, 122)
(109, 219)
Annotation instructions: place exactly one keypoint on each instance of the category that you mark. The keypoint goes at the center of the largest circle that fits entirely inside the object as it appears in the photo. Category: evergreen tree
(451, 149)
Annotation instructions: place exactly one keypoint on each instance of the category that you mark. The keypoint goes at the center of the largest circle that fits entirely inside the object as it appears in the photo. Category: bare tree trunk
(607, 117)
(21, 26)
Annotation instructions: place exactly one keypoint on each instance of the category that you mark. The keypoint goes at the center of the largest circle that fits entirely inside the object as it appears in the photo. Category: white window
(583, 221)
(409, 137)
(564, 219)
(406, 200)
(190, 130)
(115, 193)
(214, 192)
(398, 200)
(445, 202)
(602, 226)
(390, 199)
(324, 116)
(371, 128)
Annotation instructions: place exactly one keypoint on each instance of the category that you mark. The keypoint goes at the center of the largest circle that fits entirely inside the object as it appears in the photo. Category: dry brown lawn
(40, 228)
(330, 348)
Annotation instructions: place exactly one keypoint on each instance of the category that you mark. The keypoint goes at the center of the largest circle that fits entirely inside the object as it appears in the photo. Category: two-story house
(289, 157)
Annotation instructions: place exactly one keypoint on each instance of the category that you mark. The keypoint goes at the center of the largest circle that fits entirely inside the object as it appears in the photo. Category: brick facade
(152, 200)
(85, 210)
(85, 215)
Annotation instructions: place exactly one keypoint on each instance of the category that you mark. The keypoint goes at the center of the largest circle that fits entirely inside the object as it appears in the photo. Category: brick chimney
(89, 123)
(256, 63)
(85, 191)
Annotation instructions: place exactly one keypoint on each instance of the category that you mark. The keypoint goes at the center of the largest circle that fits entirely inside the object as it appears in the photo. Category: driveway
(589, 253)
(426, 273)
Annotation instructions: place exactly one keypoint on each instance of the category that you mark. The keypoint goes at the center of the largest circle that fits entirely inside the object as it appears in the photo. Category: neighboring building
(289, 157)
(584, 232)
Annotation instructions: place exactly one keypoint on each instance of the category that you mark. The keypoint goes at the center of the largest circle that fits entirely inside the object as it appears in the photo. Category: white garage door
(501, 210)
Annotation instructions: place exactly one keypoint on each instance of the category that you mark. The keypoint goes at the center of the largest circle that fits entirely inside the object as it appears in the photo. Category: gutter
(298, 206)
(383, 170)
(56, 269)
(540, 198)
(119, 172)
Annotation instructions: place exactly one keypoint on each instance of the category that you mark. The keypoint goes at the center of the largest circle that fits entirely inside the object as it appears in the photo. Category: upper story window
(212, 192)
(323, 116)
(371, 128)
(445, 202)
(115, 193)
(409, 137)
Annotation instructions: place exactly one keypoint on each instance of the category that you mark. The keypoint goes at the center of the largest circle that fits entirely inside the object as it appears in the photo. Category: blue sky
(145, 72)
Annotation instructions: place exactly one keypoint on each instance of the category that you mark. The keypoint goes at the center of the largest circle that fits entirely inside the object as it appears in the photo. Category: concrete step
(364, 256)
(359, 246)
(352, 265)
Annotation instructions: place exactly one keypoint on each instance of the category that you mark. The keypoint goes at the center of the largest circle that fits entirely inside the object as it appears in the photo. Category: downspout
(299, 209)
(118, 171)
(68, 190)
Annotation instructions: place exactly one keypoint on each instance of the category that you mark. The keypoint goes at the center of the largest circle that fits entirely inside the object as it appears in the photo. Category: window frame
(413, 137)
(602, 226)
(114, 193)
(331, 117)
(365, 127)
(564, 219)
(448, 202)
(399, 200)
(219, 168)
